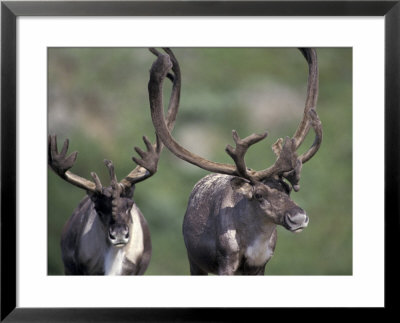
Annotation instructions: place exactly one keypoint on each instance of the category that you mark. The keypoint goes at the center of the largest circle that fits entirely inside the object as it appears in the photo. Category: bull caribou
(230, 225)
(107, 233)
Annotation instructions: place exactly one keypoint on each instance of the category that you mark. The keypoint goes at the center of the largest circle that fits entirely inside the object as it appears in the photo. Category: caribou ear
(94, 196)
(242, 186)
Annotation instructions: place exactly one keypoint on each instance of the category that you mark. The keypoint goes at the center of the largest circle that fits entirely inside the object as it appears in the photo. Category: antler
(287, 165)
(310, 119)
(237, 154)
(158, 72)
(61, 164)
(147, 165)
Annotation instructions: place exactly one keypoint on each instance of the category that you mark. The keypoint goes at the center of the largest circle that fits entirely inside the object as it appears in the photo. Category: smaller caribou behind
(107, 233)
(230, 223)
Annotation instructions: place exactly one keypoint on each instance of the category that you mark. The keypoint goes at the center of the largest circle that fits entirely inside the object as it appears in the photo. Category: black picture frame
(11, 10)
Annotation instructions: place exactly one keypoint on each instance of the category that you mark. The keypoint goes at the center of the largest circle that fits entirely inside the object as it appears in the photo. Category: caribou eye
(286, 187)
(258, 196)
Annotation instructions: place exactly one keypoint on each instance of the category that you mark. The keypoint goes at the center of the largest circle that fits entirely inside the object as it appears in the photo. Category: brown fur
(224, 219)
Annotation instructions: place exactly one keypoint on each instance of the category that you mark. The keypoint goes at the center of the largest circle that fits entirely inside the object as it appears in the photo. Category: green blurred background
(98, 99)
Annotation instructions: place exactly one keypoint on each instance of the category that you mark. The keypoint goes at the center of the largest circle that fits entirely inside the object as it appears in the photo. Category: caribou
(230, 225)
(107, 233)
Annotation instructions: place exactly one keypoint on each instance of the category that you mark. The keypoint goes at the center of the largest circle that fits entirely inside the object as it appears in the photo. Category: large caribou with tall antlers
(230, 223)
(107, 233)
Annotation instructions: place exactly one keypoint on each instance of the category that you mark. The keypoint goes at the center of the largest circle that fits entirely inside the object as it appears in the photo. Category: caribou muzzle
(295, 220)
(118, 235)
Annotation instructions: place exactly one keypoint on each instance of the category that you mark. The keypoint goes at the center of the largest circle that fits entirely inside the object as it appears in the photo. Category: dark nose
(297, 216)
(118, 234)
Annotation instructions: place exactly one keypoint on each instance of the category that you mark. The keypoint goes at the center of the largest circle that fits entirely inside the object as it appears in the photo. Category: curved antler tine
(173, 105)
(310, 117)
(312, 95)
(254, 138)
(317, 126)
